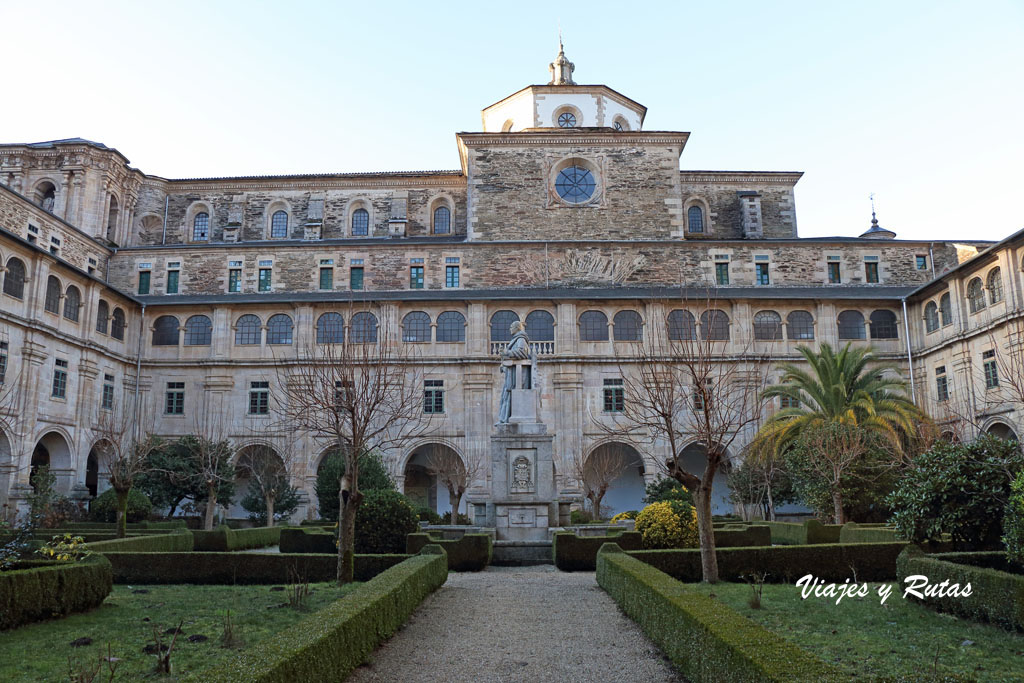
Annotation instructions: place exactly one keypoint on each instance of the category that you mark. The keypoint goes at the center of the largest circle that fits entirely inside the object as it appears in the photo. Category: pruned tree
(266, 463)
(598, 471)
(357, 389)
(690, 383)
(208, 454)
(123, 455)
(453, 472)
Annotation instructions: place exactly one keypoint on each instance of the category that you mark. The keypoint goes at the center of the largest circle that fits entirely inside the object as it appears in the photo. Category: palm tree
(837, 404)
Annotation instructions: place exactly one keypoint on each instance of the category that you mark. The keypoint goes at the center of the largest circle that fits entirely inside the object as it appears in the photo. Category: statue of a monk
(518, 349)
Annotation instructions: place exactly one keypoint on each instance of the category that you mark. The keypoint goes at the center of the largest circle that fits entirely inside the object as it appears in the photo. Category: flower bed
(41, 590)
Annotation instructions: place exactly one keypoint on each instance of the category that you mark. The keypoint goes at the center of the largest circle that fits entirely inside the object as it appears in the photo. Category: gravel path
(518, 624)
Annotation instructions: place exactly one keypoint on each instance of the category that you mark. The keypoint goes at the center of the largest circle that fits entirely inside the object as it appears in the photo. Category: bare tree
(598, 471)
(693, 386)
(456, 474)
(356, 389)
(122, 456)
(209, 454)
(267, 467)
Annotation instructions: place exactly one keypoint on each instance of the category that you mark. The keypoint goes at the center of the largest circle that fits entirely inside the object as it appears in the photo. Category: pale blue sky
(919, 102)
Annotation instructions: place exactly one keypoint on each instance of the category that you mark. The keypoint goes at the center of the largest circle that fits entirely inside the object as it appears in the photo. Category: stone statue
(518, 349)
(48, 201)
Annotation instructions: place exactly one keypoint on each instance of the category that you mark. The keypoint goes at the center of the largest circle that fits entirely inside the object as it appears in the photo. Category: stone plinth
(522, 505)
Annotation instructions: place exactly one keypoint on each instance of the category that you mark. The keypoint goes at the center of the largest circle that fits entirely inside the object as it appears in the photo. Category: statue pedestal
(523, 502)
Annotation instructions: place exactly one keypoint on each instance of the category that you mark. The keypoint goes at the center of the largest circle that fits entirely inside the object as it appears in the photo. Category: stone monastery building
(122, 288)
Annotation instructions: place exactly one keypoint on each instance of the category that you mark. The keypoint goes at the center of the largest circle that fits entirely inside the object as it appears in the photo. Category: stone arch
(53, 449)
(356, 204)
(189, 227)
(693, 458)
(252, 459)
(1002, 430)
(628, 486)
(113, 215)
(421, 486)
(45, 193)
(697, 225)
(273, 208)
(436, 223)
(8, 467)
(93, 476)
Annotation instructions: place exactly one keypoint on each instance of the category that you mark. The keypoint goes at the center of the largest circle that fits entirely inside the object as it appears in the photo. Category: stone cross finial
(561, 69)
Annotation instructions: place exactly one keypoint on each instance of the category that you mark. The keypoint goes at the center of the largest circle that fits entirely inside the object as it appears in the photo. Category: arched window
(360, 222)
(851, 325)
(416, 327)
(72, 302)
(995, 286)
(976, 295)
(117, 325)
(714, 325)
(931, 317)
(946, 309)
(681, 326)
(767, 325)
(247, 330)
(112, 216)
(500, 324)
(165, 330)
(695, 219)
(883, 325)
(330, 329)
(279, 329)
(102, 313)
(627, 326)
(52, 301)
(279, 224)
(14, 279)
(198, 330)
(201, 226)
(593, 326)
(442, 220)
(799, 325)
(451, 327)
(540, 326)
(364, 328)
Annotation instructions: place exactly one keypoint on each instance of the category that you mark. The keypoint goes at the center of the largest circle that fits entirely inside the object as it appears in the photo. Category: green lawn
(865, 638)
(40, 652)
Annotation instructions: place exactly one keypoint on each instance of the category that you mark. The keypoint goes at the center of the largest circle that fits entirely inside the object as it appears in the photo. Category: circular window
(567, 120)
(575, 184)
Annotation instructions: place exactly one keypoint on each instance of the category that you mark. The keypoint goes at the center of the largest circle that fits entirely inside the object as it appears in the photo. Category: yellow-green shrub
(628, 514)
(668, 524)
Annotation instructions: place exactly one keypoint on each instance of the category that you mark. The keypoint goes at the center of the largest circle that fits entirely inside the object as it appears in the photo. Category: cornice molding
(741, 177)
(455, 180)
(571, 137)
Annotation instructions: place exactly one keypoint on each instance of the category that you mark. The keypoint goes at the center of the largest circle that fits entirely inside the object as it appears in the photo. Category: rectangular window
(259, 398)
(788, 402)
(614, 396)
(833, 273)
(922, 262)
(107, 400)
(172, 282)
(265, 279)
(235, 280)
(60, 379)
(433, 396)
(144, 276)
(355, 278)
(174, 401)
(416, 277)
(451, 276)
(327, 278)
(3, 361)
(941, 384)
(871, 269)
(722, 273)
(991, 371)
(761, 274)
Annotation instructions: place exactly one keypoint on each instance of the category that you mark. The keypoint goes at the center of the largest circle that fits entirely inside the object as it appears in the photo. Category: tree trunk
(211, 506)
(456, 501)
(122, 513)
(706, 533)
(837, 502)
(269, 499)
(349, 498)
(771, 504)
(598, 497)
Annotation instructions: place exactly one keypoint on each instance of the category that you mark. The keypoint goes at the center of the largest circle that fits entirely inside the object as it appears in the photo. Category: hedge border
(704, 639)
(810, 532)
(44, 590)
(996, 596)
(742, 536)
(180, 541)
(572, 553)
(330, 644)
(308, 540)
(471, 553)
(225, 539)
(855, 533)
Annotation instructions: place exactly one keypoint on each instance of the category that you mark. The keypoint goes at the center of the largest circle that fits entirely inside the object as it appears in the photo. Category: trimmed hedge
(705, 640)
(738, 536)
(471, 553)
(133, 526)
(225, 539)
(330, 644)
(873, 533)
(308, 540)
(43, 589)
(574, 553)
(996, 596)
(180, 541)
(783, 564)
(809, 533)
(239, 568)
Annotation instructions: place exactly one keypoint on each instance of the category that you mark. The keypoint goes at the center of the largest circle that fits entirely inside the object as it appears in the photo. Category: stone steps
(521, 553)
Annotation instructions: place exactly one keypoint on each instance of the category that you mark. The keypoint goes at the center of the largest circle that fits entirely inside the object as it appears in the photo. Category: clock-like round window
(575, 184)
(566, 120)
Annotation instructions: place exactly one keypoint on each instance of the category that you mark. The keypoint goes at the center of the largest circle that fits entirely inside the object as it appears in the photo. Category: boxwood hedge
(471, 553)
(810, 532)
(308, 540)
(828, 561)
(705, 640)
(867, 533)
(180, 541)
(574, 553)
(996, 596)
(41, 590)
(328, 645)
(225, 539)
(739, 536)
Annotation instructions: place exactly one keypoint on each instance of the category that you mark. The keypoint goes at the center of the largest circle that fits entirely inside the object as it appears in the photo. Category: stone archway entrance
(258, 469)
(1003, 431)
(52, 450)
(421, 481)
(621, 467)
(693, 459)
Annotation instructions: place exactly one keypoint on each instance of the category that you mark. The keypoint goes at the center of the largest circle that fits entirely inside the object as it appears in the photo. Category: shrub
(580, 517)
(308, 540)
(855, 533)
(329, 644)
(628, 514)
(156, 543)
(426, 514)
(383, 520)
(703, 638)
(574, 553)
(740, 536)
(959, 489)
(104, 506)
(42, 590)
(667, 488)
(373, 476)
(463, 519)
(471, 553)
(668, 524)
(810, 532)
(1013, 522)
